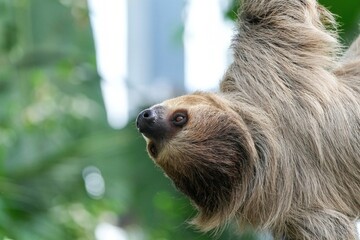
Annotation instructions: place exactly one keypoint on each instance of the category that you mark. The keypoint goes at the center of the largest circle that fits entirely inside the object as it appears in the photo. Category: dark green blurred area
(347, 14)
(53, 126)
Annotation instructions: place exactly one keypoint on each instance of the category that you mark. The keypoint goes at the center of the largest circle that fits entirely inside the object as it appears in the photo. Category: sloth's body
(279, 146)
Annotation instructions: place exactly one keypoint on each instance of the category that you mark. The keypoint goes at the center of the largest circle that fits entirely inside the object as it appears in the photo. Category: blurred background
(73, 76)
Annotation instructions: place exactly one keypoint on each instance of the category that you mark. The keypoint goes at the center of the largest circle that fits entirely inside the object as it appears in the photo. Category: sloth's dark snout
(151, 123)
(145, 119)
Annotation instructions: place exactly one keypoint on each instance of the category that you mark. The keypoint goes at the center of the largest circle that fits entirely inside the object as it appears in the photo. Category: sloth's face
(184, 120)
(200, 143)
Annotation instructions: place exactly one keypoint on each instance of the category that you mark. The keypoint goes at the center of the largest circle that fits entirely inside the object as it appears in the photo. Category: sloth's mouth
(152, 149)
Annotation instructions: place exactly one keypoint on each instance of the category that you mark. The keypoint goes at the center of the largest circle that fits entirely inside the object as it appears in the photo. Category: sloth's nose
(145, 118)
(150, 122)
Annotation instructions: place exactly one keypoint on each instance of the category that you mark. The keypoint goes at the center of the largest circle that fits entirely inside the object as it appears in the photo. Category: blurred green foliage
(347, 14)
(53, 126)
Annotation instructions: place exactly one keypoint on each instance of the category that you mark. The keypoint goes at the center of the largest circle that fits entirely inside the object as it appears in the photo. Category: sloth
(278, 146)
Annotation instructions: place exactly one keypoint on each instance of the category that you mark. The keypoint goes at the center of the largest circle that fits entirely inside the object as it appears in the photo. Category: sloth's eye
(179, 119)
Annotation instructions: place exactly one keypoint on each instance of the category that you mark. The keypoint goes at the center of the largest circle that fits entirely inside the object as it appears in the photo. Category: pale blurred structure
(109, 22)
(207, 40)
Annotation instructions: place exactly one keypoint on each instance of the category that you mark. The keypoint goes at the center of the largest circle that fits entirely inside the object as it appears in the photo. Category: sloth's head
(203, 145)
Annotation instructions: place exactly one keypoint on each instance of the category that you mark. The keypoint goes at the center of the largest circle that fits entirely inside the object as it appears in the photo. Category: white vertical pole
(207, 40)
(109, 25)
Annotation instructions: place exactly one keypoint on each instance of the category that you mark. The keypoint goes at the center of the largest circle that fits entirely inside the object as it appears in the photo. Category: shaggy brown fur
(279, 146)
